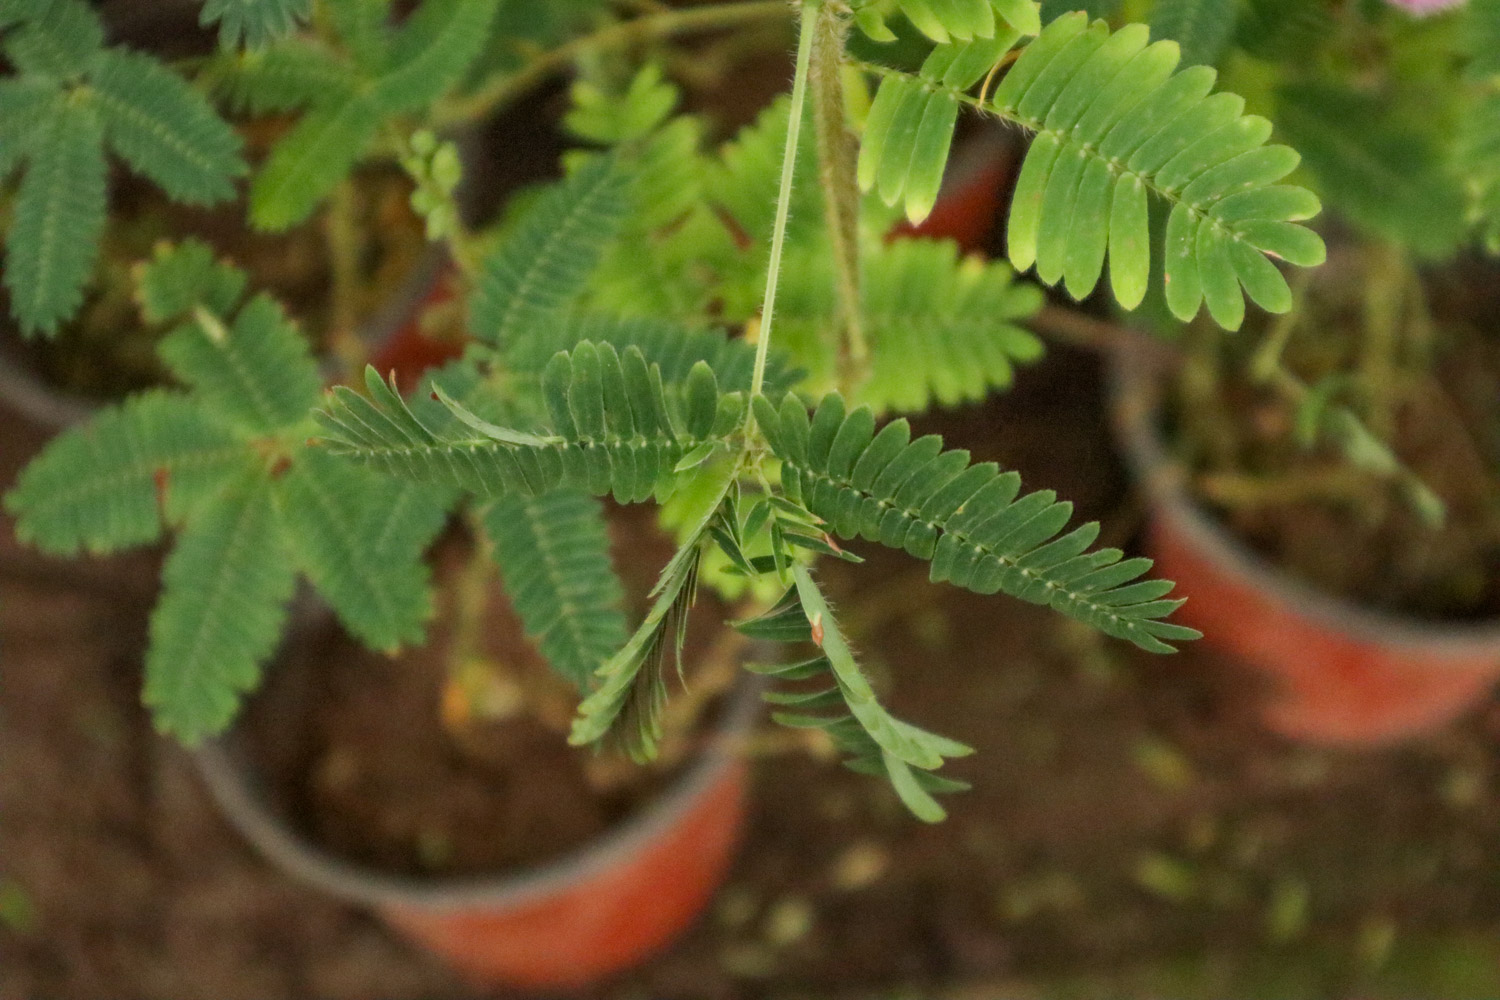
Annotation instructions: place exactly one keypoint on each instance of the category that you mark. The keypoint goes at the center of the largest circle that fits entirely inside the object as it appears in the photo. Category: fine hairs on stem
(805, 35)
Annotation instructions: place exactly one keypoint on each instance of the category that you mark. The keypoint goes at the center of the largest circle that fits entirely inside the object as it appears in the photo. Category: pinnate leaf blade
(224, 595)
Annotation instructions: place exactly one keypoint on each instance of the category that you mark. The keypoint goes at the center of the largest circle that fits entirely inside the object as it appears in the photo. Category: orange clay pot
(1343, 674)
(576, 921)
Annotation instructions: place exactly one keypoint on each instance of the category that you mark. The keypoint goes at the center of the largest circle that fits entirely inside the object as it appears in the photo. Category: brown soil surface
(399, 764)
(1126, 814)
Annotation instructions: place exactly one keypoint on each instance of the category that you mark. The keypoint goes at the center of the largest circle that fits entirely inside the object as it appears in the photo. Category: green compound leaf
(626, 704)
(942, 330)
(843, 704)
(610, 116)
(25, 106)
(224, 595)
(1115, 124)
(542, 267)
(432, 51)
(309, 163)
(56, 38)
(164, 129)
(674, 348)
(106, 485)
(253, 23)
(360, 538)
(59, 216)
(553, 554)
(391, 74)
(289, 76)
(974, 524)
(258, 373)
(180, 278)
(613, 431)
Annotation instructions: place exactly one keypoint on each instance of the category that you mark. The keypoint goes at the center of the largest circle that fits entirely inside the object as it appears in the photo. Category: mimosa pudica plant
(726, 331)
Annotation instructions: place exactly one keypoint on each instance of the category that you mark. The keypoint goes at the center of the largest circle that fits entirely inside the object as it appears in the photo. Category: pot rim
(1135, 389)
(238, 789)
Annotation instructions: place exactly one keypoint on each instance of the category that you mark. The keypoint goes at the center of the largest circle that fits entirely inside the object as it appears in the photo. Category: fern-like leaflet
(542, 268)
(971, 521)
(73, 99)
(844, 704)
(949, 20)
(59, 218)
(392, 71)
(626, 705)
(288, 76)
(1115, 122)
(254, 23)
(553, 553)
(613, 430)
(225, 589)
(224, 465)
(942, 329)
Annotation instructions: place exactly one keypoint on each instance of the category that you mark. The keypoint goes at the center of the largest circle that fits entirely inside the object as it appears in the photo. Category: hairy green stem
(507, 87)
(1381, 338)
(837, 152)
(805, 36)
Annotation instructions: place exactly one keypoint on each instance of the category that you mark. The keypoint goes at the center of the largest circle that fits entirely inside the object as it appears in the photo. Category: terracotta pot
(575, 921)
(1342, 673)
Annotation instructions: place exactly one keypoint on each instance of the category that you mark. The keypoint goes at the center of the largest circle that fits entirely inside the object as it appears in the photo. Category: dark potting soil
(411, 765)
(1129, 825)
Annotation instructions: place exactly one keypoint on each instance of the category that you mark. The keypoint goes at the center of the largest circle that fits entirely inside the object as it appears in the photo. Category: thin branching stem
(784, 196)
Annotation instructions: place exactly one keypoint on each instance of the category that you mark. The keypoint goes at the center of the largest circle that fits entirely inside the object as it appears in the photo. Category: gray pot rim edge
(239, 792)
(1135, 383)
